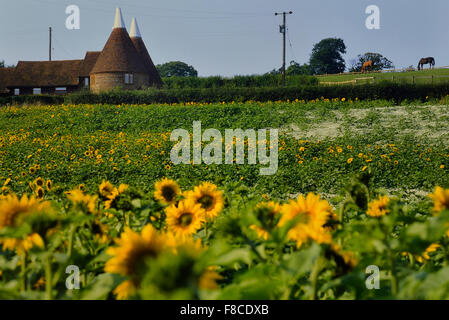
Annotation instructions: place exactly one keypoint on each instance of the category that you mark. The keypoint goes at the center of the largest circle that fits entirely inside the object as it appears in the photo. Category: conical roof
(119, 54)
(136, 38)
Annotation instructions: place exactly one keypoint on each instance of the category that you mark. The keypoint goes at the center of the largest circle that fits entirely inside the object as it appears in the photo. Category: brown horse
(368, 64)
(423, 61)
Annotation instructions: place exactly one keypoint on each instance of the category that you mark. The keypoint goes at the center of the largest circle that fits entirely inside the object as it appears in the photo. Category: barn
(124, 62)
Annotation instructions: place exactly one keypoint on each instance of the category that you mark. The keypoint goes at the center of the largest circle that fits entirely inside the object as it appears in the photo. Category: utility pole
(49, 45)
(283, 30)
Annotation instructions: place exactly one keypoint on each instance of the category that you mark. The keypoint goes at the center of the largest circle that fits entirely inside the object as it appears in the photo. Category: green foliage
(176, 69)
(379, 62)
(386, 90)
(327, 57)
(266, 80)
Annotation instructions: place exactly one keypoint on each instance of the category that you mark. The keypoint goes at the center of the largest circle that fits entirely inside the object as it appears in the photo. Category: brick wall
(108, 81)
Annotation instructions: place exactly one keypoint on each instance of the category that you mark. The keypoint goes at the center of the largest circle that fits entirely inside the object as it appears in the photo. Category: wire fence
(379, 71)
(394, 78)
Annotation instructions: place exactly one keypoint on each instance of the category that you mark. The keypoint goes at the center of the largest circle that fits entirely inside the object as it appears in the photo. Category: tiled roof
(155, 78)
(119, 55)
(46, 73)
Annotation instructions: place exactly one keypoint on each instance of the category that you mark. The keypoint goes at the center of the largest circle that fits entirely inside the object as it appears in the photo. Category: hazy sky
(229, 37)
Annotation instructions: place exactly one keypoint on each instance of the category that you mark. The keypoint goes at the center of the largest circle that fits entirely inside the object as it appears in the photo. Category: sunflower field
(91, 207)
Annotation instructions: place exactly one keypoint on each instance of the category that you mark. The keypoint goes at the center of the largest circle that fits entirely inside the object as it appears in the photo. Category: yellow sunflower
(100, 232)
(185, 219)
(166, 191)
(113, 196)
(208, 280)
(13, 212)
(49, 185)
(209, 197)
(312, 214)
(106, 188)
(83, 202)
(39, 192)
(39, 182)
(129, 256)
(378, 208)
(440, 199)
(269, 211)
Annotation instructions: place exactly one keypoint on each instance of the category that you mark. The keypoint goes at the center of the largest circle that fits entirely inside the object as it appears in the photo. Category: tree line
(326, 58)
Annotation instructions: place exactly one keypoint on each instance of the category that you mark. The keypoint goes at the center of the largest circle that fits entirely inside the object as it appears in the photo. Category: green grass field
(440, 75)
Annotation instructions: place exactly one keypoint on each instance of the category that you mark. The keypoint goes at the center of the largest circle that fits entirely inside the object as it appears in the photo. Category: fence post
(374, 80)
(432, 78)
(392, 78)
(413, 79)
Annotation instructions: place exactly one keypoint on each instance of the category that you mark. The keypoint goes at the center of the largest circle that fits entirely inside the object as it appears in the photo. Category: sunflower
(39, 182)
(111, 198)
(267, 213)
(440, 199)
(185, 219)
(125, 290)
(210, 199)
(32, 170)
(106, 188)
(83, 202)
(129, 256)
(432, 248)
(114, 196)
(166, 191)
(344, 259)
(39, 192)
(13, 212)
(100, 232)
(312, 214)
(82, 187)
(425, 255)
(378, 208)
(49, 185)
(208, 280)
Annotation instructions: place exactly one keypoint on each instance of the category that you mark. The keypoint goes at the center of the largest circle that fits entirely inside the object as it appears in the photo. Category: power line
(222, 15)
(291, 47)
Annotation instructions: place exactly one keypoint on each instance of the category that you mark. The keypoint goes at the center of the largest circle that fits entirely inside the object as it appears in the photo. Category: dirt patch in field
(430, 122)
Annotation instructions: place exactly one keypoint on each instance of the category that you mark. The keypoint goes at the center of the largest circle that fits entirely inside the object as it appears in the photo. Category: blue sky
(229, 37)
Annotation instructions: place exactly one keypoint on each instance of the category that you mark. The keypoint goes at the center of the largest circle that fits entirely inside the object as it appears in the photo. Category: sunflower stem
(317, 267)
(71, 236)
(23, 260)
(48, 278)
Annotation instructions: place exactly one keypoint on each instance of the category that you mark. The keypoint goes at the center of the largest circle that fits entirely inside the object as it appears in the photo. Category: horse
(423, 61)
(367, 64)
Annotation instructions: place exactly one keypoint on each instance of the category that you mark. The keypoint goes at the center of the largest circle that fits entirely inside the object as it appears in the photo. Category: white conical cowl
(134, 31)
(118, 22)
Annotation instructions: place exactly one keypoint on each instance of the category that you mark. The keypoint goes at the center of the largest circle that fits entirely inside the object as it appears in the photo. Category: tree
(2, 64)
(327, 56)
(297, 69)
(294, 69)
(176, 69)
(379, 62)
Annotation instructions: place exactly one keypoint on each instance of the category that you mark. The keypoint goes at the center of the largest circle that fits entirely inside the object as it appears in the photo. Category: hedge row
(382, 90)
(266, 80)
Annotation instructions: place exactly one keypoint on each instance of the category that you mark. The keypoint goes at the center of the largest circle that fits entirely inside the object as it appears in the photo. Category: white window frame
(86, 81)
(17, 92)
(129, 78)
(61, 89)
(37, 91)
